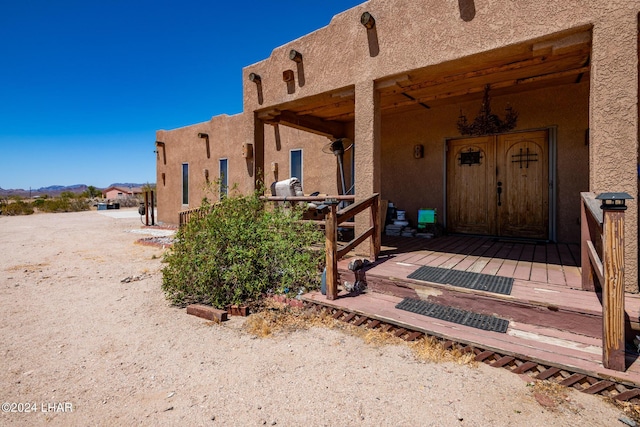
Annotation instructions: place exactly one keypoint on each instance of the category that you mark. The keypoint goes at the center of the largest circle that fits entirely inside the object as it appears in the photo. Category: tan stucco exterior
(350, 81)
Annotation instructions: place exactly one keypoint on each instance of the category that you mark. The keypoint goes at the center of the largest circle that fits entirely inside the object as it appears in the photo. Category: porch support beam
(257, 168)
(367, 158)
(327, 128)
(613, 124)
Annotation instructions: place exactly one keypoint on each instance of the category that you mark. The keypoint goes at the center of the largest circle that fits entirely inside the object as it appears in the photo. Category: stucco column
(367, 151)
(613, 123)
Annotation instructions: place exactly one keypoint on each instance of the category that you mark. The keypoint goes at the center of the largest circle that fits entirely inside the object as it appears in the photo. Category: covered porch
(554, 327)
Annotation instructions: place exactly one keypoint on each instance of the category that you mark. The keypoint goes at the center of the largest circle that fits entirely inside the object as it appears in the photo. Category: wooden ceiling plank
(516, 64)
(496, 85)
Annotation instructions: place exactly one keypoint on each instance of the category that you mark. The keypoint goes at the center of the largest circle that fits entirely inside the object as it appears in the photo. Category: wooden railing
(334, 219)
(333, 253)
(187, 215)
(602, 258)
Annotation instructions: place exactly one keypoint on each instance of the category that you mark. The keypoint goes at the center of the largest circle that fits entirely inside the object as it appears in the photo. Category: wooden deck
(551, 319)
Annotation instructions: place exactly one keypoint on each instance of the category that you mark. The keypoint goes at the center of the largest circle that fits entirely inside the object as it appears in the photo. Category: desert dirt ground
(80, 346)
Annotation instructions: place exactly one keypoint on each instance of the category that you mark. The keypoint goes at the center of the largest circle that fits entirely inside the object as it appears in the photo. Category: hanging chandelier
(486, 122)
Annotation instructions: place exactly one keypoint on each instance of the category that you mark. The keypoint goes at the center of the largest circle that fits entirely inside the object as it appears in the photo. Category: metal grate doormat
(454, 315)
(464, 279)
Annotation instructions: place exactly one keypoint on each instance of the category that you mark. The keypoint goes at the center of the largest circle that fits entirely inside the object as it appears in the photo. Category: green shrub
(64, 204)
(16, 208)
(240, 250)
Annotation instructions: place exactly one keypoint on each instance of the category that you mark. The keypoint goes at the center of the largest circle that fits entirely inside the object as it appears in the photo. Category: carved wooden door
(471, 206)
(522, 172)
(499, 185)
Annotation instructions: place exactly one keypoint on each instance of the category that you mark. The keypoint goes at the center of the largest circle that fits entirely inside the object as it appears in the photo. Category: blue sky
(85, 84)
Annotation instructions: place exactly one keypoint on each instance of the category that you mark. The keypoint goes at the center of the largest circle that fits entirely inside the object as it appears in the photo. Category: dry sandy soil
(82, 347)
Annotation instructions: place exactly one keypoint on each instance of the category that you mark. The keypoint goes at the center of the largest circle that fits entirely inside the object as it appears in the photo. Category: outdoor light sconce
(255, 78)
(295, 56)
(418, 151)
(205, 136)
(164, 153)
(614, 201)
(367, 20)
(247, 150)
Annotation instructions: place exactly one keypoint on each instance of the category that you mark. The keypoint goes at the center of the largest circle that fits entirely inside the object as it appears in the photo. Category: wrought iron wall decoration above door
(486, 122)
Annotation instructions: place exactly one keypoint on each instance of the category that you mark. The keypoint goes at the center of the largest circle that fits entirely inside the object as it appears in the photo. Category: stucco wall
(226, 136)
(319, 168)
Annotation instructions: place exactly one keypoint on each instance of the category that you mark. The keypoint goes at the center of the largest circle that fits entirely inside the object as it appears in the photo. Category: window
(185, 183)
(223, 178)
(295, 164)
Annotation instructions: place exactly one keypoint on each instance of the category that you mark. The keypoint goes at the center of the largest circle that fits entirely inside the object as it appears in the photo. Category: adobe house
(405, 82)
(115, 192)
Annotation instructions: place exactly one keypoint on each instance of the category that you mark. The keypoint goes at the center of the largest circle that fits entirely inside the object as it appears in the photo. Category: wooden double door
(499, 185)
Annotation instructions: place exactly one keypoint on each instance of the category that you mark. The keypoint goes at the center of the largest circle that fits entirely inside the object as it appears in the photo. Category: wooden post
(375, 223)
(146, 208)
(331, 250)
(152, 207)
(613, 291)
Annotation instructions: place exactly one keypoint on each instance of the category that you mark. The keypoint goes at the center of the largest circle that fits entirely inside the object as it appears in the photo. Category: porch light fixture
(613, 201)
(367, 20)
(486, 122)
(255, 78)
(295, 56)
(203, 135)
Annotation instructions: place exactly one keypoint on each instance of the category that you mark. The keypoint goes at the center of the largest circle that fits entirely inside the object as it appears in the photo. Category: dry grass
(430, 349)
(630, 410)
(275, 318)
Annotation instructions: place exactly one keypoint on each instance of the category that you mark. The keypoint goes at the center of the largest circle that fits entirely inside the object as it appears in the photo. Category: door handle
(499, 193)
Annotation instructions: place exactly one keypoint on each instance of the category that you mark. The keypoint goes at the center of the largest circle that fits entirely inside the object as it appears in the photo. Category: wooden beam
(355, 242)
(585, 239)
(330, 129)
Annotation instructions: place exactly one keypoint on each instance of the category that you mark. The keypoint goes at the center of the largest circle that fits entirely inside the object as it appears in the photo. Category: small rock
(170, 394)
(170, 408)
(213, 418)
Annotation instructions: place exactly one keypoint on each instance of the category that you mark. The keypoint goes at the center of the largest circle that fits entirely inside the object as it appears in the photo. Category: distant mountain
(55, 190)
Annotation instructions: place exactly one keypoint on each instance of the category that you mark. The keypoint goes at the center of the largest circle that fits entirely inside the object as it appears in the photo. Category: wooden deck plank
(566, 257)
(522, 270)
(555, 274)
(479, 265)
(507, 268)
(538, 272)
(493, 266)
(540, 253)
(573, 277)
(553, 257)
